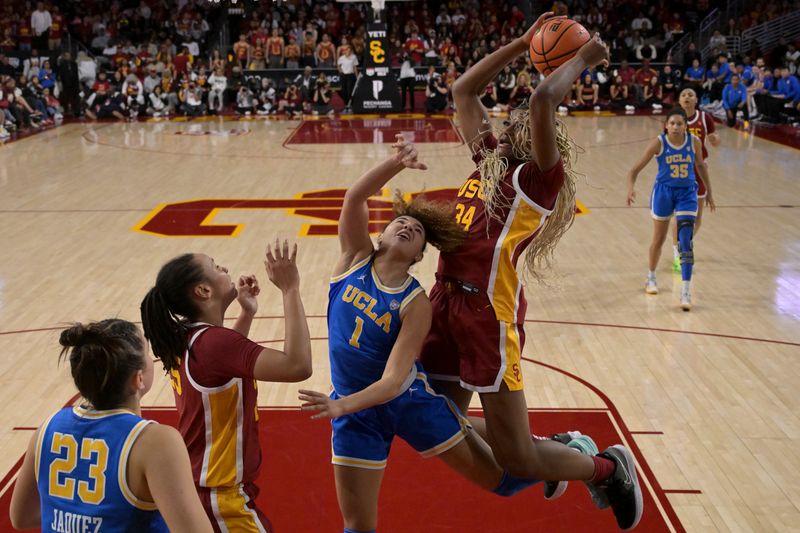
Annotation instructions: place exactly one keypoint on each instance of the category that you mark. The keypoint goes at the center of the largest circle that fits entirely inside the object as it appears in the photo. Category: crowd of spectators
(158, 58)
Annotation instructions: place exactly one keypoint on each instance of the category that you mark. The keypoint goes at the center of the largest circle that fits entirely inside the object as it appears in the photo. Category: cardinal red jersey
(488, 258)
(701, 125)
(215, 394)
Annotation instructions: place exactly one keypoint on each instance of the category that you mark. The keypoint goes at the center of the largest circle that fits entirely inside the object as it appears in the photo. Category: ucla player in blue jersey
(100, 467)
(378, 317)
(679, 154)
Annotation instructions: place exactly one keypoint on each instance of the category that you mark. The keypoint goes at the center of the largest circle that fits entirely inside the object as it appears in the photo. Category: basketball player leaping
(520, 198)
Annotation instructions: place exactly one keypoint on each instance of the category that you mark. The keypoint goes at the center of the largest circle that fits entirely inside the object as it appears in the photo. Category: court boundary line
(616, 417)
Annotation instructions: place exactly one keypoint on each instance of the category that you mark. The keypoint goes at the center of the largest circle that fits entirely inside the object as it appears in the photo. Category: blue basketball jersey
(81, 461)
(676, 163)
(363, 324)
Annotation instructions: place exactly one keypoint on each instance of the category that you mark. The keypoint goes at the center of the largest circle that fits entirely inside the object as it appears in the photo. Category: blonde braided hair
(493, 168)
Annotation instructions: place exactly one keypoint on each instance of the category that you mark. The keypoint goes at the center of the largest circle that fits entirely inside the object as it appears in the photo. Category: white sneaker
(630, 108)
(651, 287)
(562, 109)
(686, 300)
(596, 108)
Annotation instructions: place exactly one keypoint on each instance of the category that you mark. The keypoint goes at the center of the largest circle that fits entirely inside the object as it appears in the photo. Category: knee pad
(685, 233)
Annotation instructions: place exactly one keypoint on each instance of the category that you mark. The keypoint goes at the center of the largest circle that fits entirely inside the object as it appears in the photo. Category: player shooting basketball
(518, 202)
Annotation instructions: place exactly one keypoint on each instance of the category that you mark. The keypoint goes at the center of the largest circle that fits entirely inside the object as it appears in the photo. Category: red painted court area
(374, 131)
(298, 494)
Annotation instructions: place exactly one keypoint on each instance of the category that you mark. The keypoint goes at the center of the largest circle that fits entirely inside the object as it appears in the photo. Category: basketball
(556, 42)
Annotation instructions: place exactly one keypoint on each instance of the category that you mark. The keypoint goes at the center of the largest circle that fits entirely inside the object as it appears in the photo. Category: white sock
(685, 287)
(675, 252)
(651, 274)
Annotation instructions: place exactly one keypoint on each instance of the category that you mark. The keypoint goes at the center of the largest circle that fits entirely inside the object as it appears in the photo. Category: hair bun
(73, 336)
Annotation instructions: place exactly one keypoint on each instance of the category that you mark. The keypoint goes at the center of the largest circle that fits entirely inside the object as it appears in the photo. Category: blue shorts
(427, 421)
(666, 201)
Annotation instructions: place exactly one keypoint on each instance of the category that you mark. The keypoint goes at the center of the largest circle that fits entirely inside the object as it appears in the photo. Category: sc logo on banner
(377, 52)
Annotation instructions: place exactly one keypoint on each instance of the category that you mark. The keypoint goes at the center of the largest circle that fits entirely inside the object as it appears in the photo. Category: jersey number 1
(357, 332)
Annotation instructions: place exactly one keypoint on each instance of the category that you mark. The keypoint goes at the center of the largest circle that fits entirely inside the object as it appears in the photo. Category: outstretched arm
(294, 362)
(551, 93)
(472, 117)
(354, 240)
(416, 324)
(650, 152)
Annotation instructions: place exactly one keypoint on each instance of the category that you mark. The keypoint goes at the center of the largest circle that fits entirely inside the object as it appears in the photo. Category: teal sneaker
(585, 445)
(555, 489)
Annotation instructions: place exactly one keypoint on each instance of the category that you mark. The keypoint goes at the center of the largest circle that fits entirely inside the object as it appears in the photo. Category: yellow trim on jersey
(83, 412)
(505, 289)
(358, 463)
(682, 146)
(231, 511)
(352, 269)
(513, 372)
(223, 469)
(122, 468)
(407, 300)
(39, 442)
(390, 290)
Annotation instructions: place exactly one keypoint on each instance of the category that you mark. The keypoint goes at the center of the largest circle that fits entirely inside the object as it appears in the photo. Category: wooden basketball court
(707, 399)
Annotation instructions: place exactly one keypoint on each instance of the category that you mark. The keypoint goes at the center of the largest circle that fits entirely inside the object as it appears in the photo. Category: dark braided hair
(102, 357)
(167, 308)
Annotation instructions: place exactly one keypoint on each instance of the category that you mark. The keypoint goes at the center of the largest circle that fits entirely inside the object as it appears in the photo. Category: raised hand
(544, 17)
(407, 153)
(321, 403)
(247, 290)
(595, 51)
(282, 266)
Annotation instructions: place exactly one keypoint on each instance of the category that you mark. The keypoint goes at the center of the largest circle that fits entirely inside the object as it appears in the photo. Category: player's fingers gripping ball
(556, 42)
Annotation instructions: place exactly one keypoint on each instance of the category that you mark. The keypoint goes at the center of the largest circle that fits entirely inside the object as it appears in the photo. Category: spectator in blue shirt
(734, 99)
(745, 73)
(693, 77)
(788, 87)
(712, 85)
(768, 82)
(724, 74)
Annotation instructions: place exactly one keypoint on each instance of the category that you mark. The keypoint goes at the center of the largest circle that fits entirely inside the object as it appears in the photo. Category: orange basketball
(556, 42)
